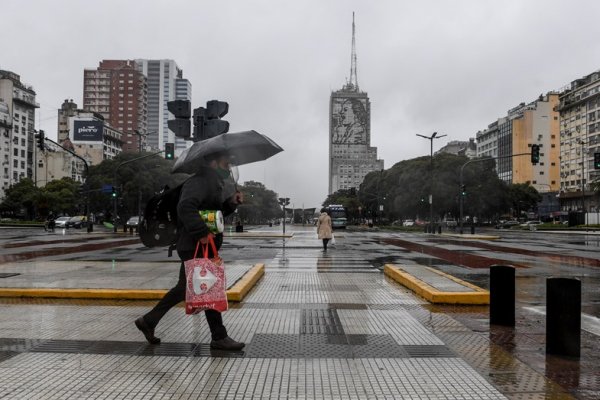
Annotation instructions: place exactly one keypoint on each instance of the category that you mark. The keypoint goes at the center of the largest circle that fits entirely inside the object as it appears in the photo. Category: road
(536, 255)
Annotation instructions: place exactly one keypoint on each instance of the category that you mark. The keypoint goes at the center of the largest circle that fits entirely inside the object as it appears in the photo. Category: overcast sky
(446, 66)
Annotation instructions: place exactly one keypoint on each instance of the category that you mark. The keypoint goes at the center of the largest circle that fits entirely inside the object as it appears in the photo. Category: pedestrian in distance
(209, 189)
(324, 229)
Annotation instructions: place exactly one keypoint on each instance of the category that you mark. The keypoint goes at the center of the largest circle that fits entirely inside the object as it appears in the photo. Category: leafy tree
(404, 189)
(134, 180)
(260, 204)
(19, 199)
(523, 197)
(61, 197)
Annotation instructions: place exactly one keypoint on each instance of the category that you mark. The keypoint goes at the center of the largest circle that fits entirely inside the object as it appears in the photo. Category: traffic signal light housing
(169, 151)
(114, 192)
(535, 153)
(596, 160)
(463, 190)
(182, 111)
(208, 122)
(40, 136)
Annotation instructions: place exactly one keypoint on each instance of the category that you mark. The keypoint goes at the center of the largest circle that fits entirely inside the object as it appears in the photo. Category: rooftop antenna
(353, 74)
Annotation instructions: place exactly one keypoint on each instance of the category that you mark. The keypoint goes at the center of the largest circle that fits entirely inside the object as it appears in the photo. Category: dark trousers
(177, 295)
(325, 241)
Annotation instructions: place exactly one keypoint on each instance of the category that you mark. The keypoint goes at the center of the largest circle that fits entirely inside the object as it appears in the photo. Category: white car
(529, 224)
(408, 222)
(61, 222)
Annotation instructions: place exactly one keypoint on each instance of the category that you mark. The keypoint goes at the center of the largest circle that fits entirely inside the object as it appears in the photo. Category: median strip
(235, 293)
(468, 294)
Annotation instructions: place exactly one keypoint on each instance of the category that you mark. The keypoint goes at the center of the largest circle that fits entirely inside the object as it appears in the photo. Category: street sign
(107, 188)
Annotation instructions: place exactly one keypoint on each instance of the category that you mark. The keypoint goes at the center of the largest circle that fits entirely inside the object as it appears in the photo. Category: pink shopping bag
(206, 287)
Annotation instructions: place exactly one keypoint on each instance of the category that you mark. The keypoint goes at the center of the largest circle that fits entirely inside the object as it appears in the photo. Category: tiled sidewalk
(317, 326)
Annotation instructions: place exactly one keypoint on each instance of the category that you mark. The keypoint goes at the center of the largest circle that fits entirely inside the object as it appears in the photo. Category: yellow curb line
(247, 282)
(236, 293)
(479, 296)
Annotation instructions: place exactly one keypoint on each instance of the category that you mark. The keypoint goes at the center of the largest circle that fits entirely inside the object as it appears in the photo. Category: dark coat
(203, 191)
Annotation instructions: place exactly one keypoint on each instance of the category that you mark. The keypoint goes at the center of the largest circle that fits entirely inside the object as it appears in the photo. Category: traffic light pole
(462, 184)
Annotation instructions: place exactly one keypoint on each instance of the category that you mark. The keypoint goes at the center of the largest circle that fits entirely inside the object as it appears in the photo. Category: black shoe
(147, 331)
(226, 343)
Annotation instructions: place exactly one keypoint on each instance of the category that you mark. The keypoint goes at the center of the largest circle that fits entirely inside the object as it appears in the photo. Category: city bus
(339, 218)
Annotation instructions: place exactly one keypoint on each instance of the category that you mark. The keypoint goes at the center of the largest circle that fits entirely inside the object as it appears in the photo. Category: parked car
(507, 224)
(529, 224)
(61, 222)
(408, 222)
(133, 222)
(76, 222)
(450, 222)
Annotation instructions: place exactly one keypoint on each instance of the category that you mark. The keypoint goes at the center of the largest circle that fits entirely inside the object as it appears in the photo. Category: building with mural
(351, 156)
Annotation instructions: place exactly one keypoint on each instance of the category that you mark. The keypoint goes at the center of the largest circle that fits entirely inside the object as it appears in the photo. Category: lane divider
(477, 296)
(236, 293)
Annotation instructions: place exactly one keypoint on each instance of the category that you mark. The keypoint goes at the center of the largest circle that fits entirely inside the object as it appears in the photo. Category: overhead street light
(430, 138)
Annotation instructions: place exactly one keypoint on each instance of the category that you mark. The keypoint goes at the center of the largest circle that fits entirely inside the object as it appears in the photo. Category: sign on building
(87, 131)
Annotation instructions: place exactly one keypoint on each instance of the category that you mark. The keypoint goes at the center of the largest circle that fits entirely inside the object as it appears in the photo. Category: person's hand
(237, 198)
(204, 240)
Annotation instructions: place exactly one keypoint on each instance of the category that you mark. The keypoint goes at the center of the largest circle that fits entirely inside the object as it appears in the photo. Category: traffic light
(182, 111)
(284, 201)
(40, 139)
(114, 192)
(596, 160)
(169, 151)
(208, 122)
(463, 190)
(535, 153)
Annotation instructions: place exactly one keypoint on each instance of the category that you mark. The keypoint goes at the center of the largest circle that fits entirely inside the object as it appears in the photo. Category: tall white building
(165, 83)
(350, 155)
(17, 141)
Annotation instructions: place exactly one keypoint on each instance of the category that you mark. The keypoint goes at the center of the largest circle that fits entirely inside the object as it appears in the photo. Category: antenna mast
(353, 74)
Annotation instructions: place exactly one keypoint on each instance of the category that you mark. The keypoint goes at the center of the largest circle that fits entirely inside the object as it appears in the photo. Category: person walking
(208, 189)
(324, 229)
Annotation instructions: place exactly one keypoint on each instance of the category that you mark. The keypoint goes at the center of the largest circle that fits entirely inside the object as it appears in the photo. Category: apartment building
(509, 140)
(579, 110)
(118, 91)
(17, 133)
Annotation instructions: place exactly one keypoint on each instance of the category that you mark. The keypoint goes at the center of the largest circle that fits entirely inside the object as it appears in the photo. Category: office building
(165, 83)
(350, 155)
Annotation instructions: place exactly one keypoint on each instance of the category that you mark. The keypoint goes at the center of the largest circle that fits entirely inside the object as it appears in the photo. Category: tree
(19, 199)
(260, 204)
(523, 197)
(146, 177)
(404, 189)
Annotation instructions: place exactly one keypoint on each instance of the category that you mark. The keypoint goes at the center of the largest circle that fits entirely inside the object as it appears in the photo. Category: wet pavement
(317, 325)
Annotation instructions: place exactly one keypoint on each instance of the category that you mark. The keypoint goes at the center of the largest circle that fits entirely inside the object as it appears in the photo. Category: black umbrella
(243, 147)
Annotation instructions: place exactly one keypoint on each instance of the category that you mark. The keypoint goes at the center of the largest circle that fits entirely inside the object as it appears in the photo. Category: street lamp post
(430, 138)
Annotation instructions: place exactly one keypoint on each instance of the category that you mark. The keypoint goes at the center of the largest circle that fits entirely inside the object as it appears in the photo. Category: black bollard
(440, 229)
(472, 229)
(502, 295)
(563, 317)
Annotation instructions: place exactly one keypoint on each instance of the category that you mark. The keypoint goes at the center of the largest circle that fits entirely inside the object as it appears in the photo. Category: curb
(235, 293)
(479, 296)
(469, 236)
